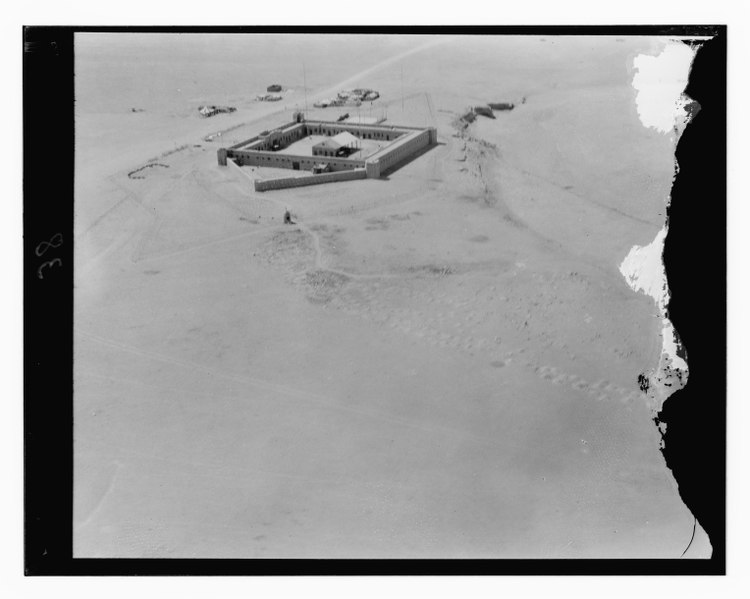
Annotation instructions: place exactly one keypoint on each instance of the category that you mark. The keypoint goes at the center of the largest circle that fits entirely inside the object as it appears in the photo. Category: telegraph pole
(304, 82)
(402, 88)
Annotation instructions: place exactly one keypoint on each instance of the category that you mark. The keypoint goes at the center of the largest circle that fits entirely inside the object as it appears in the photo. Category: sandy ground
(442, 363)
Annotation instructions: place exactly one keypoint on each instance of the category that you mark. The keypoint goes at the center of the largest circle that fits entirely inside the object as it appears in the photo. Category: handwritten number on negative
(49, 263)
(55, 242)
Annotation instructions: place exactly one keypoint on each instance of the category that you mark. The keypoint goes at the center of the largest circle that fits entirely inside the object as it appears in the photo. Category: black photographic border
(695, 442)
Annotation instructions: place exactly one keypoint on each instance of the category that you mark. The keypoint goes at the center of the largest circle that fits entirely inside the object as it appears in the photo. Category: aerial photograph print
(376, 295)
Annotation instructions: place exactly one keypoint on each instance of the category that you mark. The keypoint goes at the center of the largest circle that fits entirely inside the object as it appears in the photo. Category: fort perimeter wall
(304, 163)
(285, 182)
(407, 141)
(398, 152)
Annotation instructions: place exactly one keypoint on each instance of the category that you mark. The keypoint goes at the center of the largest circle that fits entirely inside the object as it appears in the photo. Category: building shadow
(409, 159)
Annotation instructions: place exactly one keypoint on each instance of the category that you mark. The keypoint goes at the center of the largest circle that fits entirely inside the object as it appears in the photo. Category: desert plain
(441, 363)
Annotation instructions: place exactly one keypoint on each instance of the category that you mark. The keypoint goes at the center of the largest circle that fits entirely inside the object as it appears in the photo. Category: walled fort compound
(330, 151)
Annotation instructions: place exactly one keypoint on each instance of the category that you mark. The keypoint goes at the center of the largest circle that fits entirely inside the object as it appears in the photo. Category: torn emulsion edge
(660, 82)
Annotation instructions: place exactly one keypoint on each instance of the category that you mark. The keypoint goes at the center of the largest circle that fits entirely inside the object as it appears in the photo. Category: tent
(345, 140)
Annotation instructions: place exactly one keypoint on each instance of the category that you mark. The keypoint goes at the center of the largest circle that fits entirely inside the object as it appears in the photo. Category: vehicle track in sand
(139, 254)
(192, 138)
(568, 192)
(319, 261)
(492, 190)
(418, 306)
(459, 325)
(286, 391)
(450, 330)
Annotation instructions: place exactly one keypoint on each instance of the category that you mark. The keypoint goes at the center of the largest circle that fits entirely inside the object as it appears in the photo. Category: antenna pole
(402, 87)
(304, 82)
